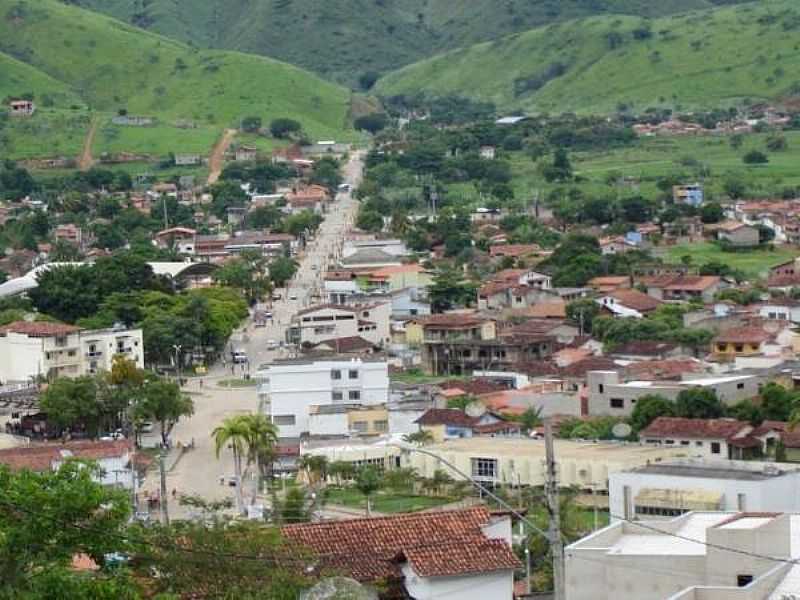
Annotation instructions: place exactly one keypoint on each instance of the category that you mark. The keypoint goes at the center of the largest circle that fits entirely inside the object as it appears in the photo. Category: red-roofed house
(711, 438)
(688, 287)
(739, 341)
(463, 554)
(628, 303)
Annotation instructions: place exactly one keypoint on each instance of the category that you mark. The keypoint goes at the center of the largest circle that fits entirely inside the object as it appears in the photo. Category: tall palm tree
(315, 466)
(261, 437)
(234, 432)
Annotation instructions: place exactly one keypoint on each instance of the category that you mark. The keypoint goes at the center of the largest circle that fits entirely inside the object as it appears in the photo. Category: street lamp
(177, 348)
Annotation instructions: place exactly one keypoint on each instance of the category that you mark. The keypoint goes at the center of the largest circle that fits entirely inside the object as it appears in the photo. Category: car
(292, 296)
(276, 297)
(314, 267)
(146, 427)
(268, 316)
(239, 357)
(272, 345)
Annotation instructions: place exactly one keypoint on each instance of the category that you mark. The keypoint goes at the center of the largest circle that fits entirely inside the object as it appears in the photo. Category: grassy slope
(112, 66)
(696, 59)
(343, 38)
(755, 263)
(17, 78)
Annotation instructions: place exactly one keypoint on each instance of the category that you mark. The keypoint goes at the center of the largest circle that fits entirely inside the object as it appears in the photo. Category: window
(715, 448)
(659, 511)
(381, 425)
(336, 396)
(744, 580)
(699, 444)
(617, 403)
(283, 419)
(336, 374)
(485, 468)
(360, 426)
(354, 395)
(721, 347)
(741, 502)
(740, 386)
(739, 347)
(71, 353)
(684, 442)
(352, 374)
(601, 389)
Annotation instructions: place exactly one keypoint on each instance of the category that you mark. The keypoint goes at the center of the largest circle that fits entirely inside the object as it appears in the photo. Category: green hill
(698, 59)
(74, 55)
(342, 39)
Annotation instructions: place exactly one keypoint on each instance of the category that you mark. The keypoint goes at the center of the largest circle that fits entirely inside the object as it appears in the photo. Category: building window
(715, 448)
(617, 402)
(381, 425)
(336, 396)
(744, 580)
(360, 426)
(660, 511)
(739, 348)
(71, 353)
(721, 347)
(283, 419)
(601, 389)
(354, 395)
(741, 502)
(739, 386)
(699, 444)
(485, 468)
(684, 442)
(336, 374)
(352, 374)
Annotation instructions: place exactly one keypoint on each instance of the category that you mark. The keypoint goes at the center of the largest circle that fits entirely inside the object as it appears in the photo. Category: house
(604, 285)
(113, 457)
(689, 287)
(307, 193)
(288, 389)
(447, 423)
(133, 121)
(739, 341)
(669, 489)
(187, 160)
(265, 242)
(355, 345)
(628, 303)
(21, 108)
(462, 553)
(737, 234)
(691, 194)
(370, 258)
(347, 420)
(514, 250)
(29, 349)
(486, 215)
(70, 233)
(328, 321)
(706, 438)
(487, 152)
(398, 277)
(615, 245)
(646, 350)
(182, 239)
(341, 284)
(609, 395)
(246, 154)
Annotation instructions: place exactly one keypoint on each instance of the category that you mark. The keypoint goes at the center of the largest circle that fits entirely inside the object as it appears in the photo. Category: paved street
(198, 471)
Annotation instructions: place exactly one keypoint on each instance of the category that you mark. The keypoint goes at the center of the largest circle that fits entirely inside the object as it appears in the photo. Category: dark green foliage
(649, 408)
(699, 403)
(373, 123)
(284, 128)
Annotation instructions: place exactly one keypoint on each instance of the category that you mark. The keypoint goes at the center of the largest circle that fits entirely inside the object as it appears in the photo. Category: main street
(198, 471)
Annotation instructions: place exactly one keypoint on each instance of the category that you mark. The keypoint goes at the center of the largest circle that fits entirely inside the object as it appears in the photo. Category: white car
(146, 427)
(292, 296)
(272, 344)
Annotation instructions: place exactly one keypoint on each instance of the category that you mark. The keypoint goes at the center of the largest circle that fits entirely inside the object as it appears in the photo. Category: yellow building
(450, 326)
(739, 341)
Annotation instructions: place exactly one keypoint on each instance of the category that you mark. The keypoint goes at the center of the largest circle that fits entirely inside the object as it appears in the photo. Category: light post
(177, 348)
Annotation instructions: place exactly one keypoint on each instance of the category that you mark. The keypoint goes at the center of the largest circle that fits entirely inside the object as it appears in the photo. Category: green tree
(561, 167)
(369, 220)
(72, 403)
(294, 507)
(66, 293)
(711, 213)
(163, 401)
(46, 518)
(225, 195)
(583, 312)
(648, 409)
(327, 172)
(315, 466)
(777, 143)
(262, 436)
(368, 481)
(421, 437)
(699, 403)
(251, 124)
(746, 410)
(449, 289)
(778, 403)
(373, 123)
(531, 419)
(755, 157)
(284, 128)
(281, 270)
(234, 433)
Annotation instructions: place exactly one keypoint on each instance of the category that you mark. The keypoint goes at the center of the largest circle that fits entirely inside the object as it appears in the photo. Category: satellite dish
(475, 409)
(621, 430)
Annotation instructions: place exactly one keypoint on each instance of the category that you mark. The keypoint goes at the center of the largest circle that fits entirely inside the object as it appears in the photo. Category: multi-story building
(33, 349)
(289, 390)
(697, 556)
(328, 322)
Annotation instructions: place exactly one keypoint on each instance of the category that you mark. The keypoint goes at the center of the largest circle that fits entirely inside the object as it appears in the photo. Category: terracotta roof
(693, 282)
(654, 370)
(498, 427)
(693, 428)
(592, 363)
(347, 344)
(367, 549)
(743, 335)
(476, 386)
(784, 280)
(615, 280)
(731, 225)
(39, 328)
(635, 299)
(446, 416)
(556, 309)
(395, 269)
(40, 457)
(538, 368)
(514, 249)
(454, 320)
(644, 348)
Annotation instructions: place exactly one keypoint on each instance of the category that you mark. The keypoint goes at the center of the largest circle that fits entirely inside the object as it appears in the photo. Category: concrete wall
(497, 585)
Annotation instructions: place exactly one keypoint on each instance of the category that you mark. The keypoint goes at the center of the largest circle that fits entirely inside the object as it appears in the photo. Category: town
(351, 340)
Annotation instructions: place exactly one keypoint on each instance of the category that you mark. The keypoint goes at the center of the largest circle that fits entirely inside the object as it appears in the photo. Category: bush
(755, 157)
(251, 124)
(372, 123)
(284, 128)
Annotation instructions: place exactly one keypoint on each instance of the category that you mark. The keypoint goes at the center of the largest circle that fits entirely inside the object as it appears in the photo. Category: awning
(683, 499)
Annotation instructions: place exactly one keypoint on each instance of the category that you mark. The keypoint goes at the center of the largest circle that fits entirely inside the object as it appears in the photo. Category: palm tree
(531, 419)
(234, 432)
(421, 437)
(315, 466)
(439, 480)
(261, 436)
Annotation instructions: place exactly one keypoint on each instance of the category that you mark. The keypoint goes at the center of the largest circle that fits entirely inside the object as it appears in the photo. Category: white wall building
(697, 556)
(288, 390)
(329, 322)
(32, 349)
(669, 489)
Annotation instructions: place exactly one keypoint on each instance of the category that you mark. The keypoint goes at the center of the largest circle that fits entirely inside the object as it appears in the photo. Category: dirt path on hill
(85, 160)
(217, 159)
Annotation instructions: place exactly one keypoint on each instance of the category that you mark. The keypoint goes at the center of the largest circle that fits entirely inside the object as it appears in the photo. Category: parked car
(272, 345)
(239, 357)
(146, 427)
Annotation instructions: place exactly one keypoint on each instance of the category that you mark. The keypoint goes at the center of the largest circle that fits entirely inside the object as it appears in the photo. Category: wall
(21, 358)
(328, 424)
(692, 447)
(498, 585)
(401, 421)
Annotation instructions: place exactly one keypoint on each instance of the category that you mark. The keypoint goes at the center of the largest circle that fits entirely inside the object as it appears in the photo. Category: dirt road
(85, 160)
(217, 159)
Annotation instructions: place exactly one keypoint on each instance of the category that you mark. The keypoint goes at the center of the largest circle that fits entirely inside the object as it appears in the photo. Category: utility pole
(163, 499)
(554, 531)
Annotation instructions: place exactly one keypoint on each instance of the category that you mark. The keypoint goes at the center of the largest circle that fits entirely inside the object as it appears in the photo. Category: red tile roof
(693, 283)
(514, 250)
(347, 344)
(39, 328)
(645, 348)
(476, 386)
(743, 335)
(40, 457)
(693, 428)
(635, 299)
(446, 416)
(367, 549)
(451, 320)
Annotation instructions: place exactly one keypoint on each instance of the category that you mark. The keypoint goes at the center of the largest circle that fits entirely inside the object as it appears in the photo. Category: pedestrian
(222, 479)
(201, 384)
(174, 493)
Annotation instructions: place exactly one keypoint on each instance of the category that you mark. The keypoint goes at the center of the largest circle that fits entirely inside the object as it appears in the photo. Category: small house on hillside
(21, 108)
(738, 234)
(246, 154)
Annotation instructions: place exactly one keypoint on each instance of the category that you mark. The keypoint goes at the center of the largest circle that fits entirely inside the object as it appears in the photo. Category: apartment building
(33, 349)
(329, 322)
(288, 391)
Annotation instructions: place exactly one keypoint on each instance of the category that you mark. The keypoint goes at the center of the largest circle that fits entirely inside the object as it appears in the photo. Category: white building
(329, 322)
(287, 390)
(32, 349)
(697, 556)
(672, 488)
